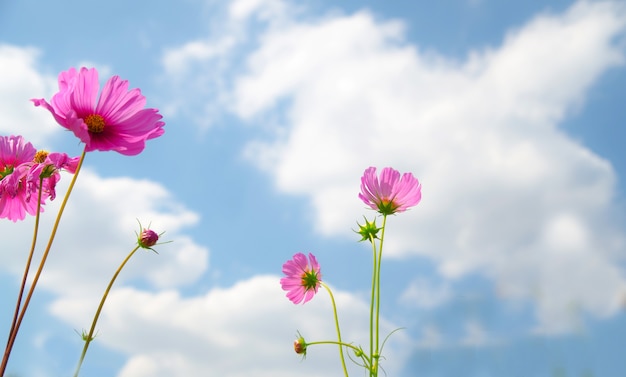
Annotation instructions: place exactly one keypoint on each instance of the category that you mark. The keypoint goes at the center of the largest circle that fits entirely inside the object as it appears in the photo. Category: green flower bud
(299, 345)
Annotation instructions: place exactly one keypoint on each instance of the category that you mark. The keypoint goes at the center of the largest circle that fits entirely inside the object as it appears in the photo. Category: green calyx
(369, 231)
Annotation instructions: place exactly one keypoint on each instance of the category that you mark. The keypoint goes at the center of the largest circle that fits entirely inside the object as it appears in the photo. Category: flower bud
(148, 238)
(299, 345)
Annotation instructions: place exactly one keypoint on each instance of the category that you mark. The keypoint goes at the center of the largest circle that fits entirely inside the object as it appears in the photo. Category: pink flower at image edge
(389, 193)
(116, 120)
(14, 153)
(21, 170)
(302, 278)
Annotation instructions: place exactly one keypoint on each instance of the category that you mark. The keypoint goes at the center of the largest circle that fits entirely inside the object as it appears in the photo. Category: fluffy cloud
(98, 230)
(247, 329)
(21, 80)
(506, 192)
(94, 236)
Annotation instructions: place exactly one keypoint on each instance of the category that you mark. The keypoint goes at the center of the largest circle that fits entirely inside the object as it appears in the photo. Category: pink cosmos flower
(302, 279)
(14, 152)
(391, 193)
(21, 168)
(116, 120)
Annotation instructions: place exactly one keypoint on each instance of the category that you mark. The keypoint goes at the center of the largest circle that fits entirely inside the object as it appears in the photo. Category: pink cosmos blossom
(21, 168)
(14, 151)
(116, 120)
(302, 279)
(391, 193)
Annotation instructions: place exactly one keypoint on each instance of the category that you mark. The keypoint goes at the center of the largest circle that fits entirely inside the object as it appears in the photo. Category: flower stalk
(20, 294)
(16, 327)
(337, 328)
(90, 336)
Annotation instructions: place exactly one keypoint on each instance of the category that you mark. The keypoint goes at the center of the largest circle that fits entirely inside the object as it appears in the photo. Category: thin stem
(40, 269)
(90, 336)
(332, 299)
(373, 300)
(356, 350)
(26, 269)
(376, 355)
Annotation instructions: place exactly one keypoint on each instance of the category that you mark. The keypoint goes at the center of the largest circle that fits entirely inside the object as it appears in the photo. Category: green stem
(376, 355)
(25, 275)
(356, 350)
(373, 299)
(348, 345)
(11, 340)
(90, 336)
(332, 299)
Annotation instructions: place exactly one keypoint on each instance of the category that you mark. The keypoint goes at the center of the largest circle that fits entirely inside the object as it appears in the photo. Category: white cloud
(176, 61)
(247, 329)
(205, 66)
(503, 186)
(97, 231)
(241, 10)
(20, 80)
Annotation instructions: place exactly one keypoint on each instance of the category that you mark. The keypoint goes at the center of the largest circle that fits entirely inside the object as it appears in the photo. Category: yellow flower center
(40, 156)
(95, 123)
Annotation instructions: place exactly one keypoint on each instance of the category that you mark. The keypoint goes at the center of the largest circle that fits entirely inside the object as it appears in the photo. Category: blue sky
(510, 115)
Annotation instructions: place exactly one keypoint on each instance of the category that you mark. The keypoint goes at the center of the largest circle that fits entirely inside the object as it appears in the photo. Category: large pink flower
(21, 168)
(391, 193)
(302, 279)
(114, 121)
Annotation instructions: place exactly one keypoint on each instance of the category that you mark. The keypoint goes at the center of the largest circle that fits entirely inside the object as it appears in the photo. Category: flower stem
(332, 299)
(90, 336)
(18, 323)
(375, 351)
(24, 277)
(356, 350)
(373, 299)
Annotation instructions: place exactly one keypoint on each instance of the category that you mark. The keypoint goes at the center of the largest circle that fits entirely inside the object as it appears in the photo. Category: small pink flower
(391, 193)
(114, 121)
(302, 278)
